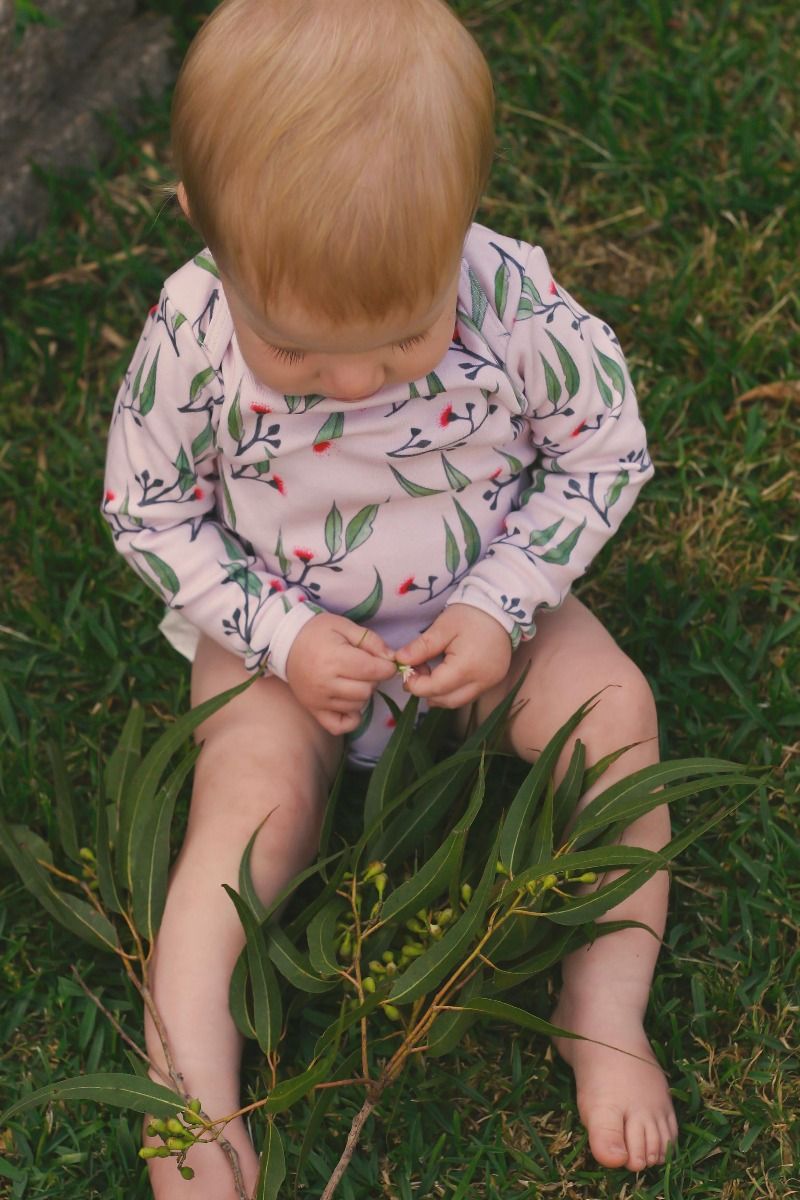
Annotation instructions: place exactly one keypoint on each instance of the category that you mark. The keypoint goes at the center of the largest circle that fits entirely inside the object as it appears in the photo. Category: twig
(359, 1121)
(110, 1017)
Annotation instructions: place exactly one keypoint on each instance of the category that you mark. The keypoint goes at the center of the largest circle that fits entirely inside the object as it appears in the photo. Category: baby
(361, 430)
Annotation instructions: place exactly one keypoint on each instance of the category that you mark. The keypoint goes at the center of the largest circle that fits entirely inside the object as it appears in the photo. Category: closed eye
(412, 341)
(290, 356)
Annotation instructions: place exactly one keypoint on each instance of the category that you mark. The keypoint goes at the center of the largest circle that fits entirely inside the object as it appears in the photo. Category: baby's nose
(355, 383)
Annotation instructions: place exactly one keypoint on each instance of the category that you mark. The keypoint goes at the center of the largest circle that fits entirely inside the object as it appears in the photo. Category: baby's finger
(354, 690)
(368, 640)
(361, 665)
(456, 699)
(428, 645)
(440, 682)
(338, 723)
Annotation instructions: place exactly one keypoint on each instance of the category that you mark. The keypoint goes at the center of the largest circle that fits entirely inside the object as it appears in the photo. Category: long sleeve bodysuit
(494, 481)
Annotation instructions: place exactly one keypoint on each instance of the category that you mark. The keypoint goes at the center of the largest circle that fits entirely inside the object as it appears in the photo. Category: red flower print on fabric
(321, 447)
(406, 586)
(455, 332)
(198, 493)
(553, 289)
(276, 585)
(446, 416)
(578, 429)
(494, 474)
(110, 496)
(303, 554)
(258, 407)
(390, 722)
(152, 311)
(278, 483)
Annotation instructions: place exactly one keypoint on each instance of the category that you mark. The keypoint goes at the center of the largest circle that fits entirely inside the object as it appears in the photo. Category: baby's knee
(626, 706)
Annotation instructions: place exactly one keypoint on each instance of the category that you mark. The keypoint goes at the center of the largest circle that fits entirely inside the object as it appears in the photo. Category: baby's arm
(160, 501)
(581, 414)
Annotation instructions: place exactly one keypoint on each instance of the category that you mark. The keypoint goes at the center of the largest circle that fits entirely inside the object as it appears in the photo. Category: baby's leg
(624, 1103)
(261, 751)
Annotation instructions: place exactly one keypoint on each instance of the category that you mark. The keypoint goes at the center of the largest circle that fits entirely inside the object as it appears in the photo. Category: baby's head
(332, 153)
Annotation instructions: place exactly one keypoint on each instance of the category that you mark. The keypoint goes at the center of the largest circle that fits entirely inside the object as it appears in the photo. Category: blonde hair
(334, 150)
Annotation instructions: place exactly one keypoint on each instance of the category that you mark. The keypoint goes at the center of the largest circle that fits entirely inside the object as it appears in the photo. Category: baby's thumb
(420, 650)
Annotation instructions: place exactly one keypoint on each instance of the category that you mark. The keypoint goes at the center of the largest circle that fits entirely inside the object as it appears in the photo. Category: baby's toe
(606, 1128)
(653, 1143)
(636, 1140)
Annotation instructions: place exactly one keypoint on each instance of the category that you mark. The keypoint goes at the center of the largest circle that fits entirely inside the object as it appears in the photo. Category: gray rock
(56, 84)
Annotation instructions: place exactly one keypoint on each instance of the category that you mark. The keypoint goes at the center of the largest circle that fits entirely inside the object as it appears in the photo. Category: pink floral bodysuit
(494, 481)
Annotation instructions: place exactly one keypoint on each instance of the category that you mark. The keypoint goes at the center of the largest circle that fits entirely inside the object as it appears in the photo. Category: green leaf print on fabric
(472, 540)
(333, 530)
(414, 489)
(528, 298)
(202, 260)
(203, 441)
(479, 301)
(572, 376)
(560, 554)
(457, 479)
(501, 281)
(199, 382)
(540, 537)
(186, 476)
(368, 607)
(551, 382)
(163, 572)
(235, 423)
(280, 554)
(514, 465)
(614, 373)
(452, 555)
(229, 509)
(537, 485)
(232, 548)
(435, 385)
(615, 491)
(360, 528)
(333, 428)
(245, 578)
(149, 390)
(605, 391)
(178, 320)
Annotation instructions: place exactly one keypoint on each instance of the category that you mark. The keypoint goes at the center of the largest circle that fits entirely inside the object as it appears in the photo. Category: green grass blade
(64, 804)
(272, 1170)
(267, 1008)
(312, 1127)
(300, 923)
(107, 1087)
(125, 759)
(542, 840)
(502, 1011)
(330, 808)
(150, 850)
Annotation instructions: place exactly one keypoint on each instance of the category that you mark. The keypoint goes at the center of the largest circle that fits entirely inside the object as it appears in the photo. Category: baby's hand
(333, 668)
(477, 655)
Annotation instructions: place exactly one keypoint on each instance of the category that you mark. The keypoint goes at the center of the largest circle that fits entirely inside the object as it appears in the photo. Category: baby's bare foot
(623, 1102)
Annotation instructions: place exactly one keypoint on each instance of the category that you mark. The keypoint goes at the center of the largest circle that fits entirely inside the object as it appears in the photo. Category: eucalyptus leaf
(449, 1027)
(385, 779)
(64, 803)
(105, 872)
(107, 1087)
(321, 935)
(272, 1170)
(570, 789)
(267, 1009)
(238, 998)
(293, 965)
(246, 888)
(125, 758)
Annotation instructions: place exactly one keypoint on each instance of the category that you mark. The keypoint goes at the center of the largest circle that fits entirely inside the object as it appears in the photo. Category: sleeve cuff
(283, 638)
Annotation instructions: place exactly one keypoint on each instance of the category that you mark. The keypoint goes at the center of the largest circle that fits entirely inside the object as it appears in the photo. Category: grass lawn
(652, 149)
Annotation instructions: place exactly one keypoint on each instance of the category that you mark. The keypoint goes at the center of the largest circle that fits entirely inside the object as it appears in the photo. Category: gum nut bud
(186, 1172)
(588, 877)
(436, 930)
(549, 881)
(162, 1152)
(368, 984)
(191, 1118)
(149, 1152)
(392, 1013)
(175, 1143)
(159, 1125)
(532, 889)
(376, 908)
(500, 867)
(466, 893)
(421, 914)
(444, 917)
(151, 1130)
(348, 875)
(413, 951)
(391, 968)
(194, 1105)
(388, 956)
(415, 925)
(346, 948)
(379, 883)
(174, 1125)
(86, 854)
(358, 904)
(372, 870)
(376, 967)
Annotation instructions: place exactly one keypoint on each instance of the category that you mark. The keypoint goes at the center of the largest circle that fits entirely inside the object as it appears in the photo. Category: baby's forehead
(291, 324)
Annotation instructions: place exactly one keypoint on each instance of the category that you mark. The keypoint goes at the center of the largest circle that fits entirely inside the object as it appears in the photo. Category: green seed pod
(588, 877)
(346, 947)
(175, 1126)
(376, 967)
(151, 1130)
(186, 1172)
(532, 889)
(348, 875)
(372, 870)
(194, 1105)
(376, 908)
(422, 914)
(159, 1125)
(549, 882)
(175, 1143)
(191, 1118)
(368, 984)
(149, 1151)
(415, 925)
(86, 854)
(500, 868)
(162, 1152)
(392, 1013)
(391, 968)
(466, 893)
(436, 930)
(379, 883)
(444, 916)
(413, 951)
(388, 956)
(358, 903)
